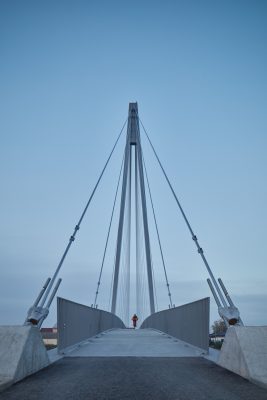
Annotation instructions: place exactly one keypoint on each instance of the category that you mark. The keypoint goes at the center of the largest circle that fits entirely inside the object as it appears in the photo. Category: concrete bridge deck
(135, 343)
(128, 364)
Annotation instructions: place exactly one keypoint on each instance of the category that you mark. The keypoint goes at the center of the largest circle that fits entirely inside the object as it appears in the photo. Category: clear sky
(67, 73)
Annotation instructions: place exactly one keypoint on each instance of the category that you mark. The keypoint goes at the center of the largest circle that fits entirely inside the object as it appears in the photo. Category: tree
(219, 327)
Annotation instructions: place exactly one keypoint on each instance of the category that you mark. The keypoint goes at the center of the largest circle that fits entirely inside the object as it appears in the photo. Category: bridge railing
(189, 322)
(77, 322)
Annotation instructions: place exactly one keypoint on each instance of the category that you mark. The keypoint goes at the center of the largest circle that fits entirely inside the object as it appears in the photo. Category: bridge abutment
(244, 352)
(22, 353)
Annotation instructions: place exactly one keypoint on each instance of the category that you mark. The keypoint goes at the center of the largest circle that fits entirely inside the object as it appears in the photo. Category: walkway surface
(93, 372)
(135, 343)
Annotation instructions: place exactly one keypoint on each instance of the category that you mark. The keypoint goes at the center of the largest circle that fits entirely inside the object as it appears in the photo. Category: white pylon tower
(133, 143)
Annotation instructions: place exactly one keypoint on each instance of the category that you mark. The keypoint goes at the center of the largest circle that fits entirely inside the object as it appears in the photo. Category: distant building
(217, 337)
(49, 336)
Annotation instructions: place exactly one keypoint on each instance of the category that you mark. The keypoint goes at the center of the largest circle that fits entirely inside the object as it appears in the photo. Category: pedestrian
(134, 319)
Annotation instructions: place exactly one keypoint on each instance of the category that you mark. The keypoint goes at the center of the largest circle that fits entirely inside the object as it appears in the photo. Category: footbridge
(98, 355)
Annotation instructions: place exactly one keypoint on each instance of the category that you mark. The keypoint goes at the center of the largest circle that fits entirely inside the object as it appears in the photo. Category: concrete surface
(134, 378)
(244, 352)
(22, 353)
(135, 343)
(213, 355)
(53, 355)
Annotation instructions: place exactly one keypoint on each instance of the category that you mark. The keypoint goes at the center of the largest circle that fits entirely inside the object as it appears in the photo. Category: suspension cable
(77, 227)
(155, 291)
(107, 239)
(194, 237)
(111, 285)
(156, 225)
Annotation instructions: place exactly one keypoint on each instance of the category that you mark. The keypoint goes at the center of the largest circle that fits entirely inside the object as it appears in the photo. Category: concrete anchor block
(22, 353)
(244, 351)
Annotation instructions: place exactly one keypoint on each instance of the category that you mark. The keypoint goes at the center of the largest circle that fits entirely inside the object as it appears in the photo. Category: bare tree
(219, 327)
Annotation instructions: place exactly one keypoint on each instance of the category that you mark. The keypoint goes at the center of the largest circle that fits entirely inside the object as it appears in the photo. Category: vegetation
(219, 327)
(50, 346)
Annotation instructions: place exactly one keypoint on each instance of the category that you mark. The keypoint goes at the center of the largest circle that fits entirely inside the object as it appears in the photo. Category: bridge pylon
(133, 152)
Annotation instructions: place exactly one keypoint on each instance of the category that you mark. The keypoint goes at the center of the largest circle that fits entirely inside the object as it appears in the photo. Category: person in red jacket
(134, 319)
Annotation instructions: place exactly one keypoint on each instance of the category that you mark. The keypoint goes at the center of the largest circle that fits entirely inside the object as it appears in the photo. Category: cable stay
(111, 284)
(158, 236)
(229, 313)
(107, 239)
(38, 312)
(123, 243)
(142, 295)
(144, 263)
(145, 278)
(155, 291)
(121, 278)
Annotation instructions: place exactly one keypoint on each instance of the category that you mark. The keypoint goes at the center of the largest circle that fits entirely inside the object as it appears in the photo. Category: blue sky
(68, 71)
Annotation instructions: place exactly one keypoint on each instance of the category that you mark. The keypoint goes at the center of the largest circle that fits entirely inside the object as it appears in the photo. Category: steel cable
(158, 236)
(108, 234)
(194, 237)
(77, 227)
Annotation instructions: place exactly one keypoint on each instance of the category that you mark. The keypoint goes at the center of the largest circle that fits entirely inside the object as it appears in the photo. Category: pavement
(134, 343)
(92, 371)
(134, 378)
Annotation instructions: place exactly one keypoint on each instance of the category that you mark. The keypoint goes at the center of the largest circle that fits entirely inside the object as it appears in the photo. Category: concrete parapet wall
(77, 322)
(189, 322)
(22, 353)
(244, 351)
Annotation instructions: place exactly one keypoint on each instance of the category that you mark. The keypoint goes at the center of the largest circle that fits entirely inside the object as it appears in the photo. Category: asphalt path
(142, 378)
